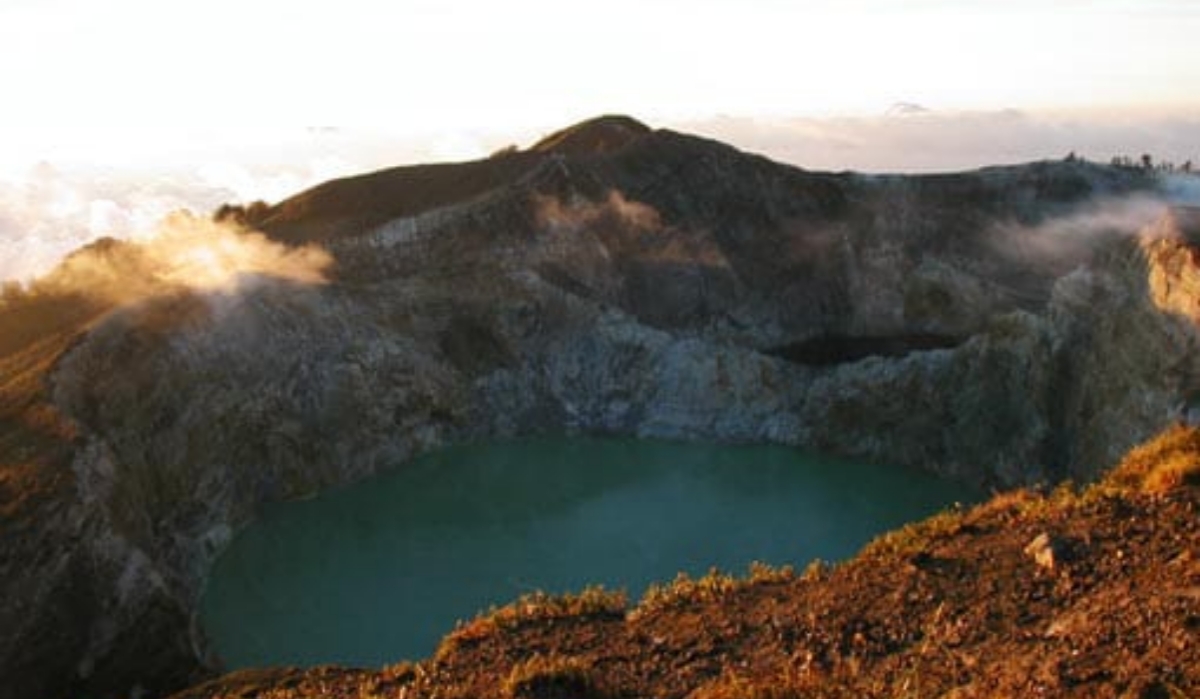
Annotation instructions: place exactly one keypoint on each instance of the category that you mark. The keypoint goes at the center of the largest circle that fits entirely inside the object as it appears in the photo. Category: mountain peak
(603, 134)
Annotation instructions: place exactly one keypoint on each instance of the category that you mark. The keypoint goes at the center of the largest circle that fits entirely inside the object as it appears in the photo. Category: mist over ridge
(49, 207)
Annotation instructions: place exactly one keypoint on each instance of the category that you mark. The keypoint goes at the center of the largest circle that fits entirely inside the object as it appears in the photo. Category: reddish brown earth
(1066, 594)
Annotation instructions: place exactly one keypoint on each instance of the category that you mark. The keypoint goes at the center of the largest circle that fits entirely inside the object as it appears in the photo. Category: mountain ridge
(638, 289)
(597, 136)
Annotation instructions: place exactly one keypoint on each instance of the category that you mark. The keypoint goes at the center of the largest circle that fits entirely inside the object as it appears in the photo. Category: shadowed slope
(354, 204)
(598, 136)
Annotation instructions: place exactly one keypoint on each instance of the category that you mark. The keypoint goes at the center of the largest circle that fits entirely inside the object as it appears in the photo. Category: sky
(116, 113)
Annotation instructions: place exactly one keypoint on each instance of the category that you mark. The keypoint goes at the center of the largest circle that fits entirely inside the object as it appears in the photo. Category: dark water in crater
(379, 572)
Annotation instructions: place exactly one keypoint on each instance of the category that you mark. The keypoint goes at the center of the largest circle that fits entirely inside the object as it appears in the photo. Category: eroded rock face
(634, 289)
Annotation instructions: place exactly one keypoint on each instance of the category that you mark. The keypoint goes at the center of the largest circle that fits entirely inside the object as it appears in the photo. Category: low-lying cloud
(580, 214)
(48, 209)
(46, 213)
(57, 194)
(625, 226)
(915, 139)
(206, 256)
(1068, 239)
(185, 252)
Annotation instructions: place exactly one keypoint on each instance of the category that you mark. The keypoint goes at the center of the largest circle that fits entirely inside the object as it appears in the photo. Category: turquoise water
(380, 571)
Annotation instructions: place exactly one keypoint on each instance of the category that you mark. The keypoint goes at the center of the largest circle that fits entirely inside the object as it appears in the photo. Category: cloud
(1183, 190)
(49, 208)
(184, 253)
(202, 255)
(913, 140)
(553, 213)
(626, 227)
(1069, 239)
(59, 191)
(46, 212)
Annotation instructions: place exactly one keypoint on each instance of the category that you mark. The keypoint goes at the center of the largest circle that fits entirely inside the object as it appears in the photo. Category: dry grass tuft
(539, 606)
(915, 537)
(685, 591)
(787, 685)
(552, 677)
(765, 574)
(1165, 463)
(713, 586)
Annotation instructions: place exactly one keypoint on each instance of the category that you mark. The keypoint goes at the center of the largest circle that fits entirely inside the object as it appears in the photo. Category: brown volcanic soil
(36, 484)
(965, 604)
(353, 205)
(603, 134)
(356, 204)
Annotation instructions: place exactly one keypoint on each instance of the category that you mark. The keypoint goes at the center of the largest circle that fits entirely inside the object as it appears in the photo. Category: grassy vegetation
(684, 591)
(539, 606)
(552, 676)
(731, 685)
(35, 438)
(915, 537)
(1167, 462)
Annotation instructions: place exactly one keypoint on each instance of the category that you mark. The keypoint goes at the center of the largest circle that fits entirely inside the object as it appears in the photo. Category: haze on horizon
(118, 113)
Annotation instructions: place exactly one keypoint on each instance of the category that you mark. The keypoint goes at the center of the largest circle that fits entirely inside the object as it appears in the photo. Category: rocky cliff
(1005, 326)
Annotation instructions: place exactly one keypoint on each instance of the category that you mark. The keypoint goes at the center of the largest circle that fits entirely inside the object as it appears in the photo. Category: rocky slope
(1005, 326)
